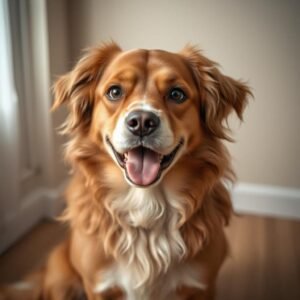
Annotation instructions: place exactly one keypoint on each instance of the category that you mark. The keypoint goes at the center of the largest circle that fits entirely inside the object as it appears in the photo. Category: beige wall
(59, 63)
(254, 40)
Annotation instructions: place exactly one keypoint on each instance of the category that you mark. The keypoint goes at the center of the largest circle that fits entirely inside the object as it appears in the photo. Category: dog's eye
(115, 92)
(177, 95)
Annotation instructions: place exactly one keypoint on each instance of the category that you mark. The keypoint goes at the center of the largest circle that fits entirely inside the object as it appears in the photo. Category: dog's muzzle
(142, 158)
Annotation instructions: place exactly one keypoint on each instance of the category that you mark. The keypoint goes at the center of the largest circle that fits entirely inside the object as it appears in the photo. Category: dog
(147, 202)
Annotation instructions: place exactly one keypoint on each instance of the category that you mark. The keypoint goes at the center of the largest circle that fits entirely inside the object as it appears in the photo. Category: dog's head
(147, 109)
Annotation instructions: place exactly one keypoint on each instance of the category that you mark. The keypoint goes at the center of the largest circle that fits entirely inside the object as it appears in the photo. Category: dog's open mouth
(143, 166)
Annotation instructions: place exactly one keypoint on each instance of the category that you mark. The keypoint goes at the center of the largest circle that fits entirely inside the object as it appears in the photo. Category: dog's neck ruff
(149, 241)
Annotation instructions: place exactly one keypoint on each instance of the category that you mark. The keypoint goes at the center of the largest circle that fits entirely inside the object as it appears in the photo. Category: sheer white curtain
(9, 126)
(31, 175)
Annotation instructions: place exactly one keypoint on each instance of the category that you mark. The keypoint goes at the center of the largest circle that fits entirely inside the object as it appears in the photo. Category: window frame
(23, 75)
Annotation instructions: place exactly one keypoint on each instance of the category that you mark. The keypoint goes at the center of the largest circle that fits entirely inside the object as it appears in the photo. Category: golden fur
(152, 234)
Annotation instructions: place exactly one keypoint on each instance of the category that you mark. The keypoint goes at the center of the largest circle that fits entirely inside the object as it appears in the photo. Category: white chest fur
(149, 246)
(164, 287)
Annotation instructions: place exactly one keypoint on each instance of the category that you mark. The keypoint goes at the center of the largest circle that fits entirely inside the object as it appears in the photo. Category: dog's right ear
(77, 88)
(220, 95)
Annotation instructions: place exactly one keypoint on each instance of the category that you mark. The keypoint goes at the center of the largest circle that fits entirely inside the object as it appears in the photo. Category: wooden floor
(264, 262)
(30, 252)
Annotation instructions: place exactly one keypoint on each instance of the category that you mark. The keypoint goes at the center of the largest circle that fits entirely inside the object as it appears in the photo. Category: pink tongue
(142, 165)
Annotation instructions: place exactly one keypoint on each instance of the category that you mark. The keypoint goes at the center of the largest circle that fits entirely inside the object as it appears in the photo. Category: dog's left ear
(219, 94)
(77, 88)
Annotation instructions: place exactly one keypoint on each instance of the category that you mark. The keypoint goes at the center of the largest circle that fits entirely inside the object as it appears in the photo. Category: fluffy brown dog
(147, 202)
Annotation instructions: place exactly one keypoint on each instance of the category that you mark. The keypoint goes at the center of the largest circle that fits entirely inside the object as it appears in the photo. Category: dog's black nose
(142, 123)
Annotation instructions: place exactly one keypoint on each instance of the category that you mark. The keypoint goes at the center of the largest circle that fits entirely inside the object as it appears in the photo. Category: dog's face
(146, 111)
(148, 108)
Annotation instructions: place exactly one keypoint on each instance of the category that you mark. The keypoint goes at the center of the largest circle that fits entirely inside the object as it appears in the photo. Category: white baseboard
(41, 203)
(266, 200)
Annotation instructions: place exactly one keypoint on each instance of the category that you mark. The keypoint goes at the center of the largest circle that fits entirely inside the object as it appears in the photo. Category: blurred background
(257, 41)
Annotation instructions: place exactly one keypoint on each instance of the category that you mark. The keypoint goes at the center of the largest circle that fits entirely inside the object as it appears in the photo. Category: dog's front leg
(61, 282)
